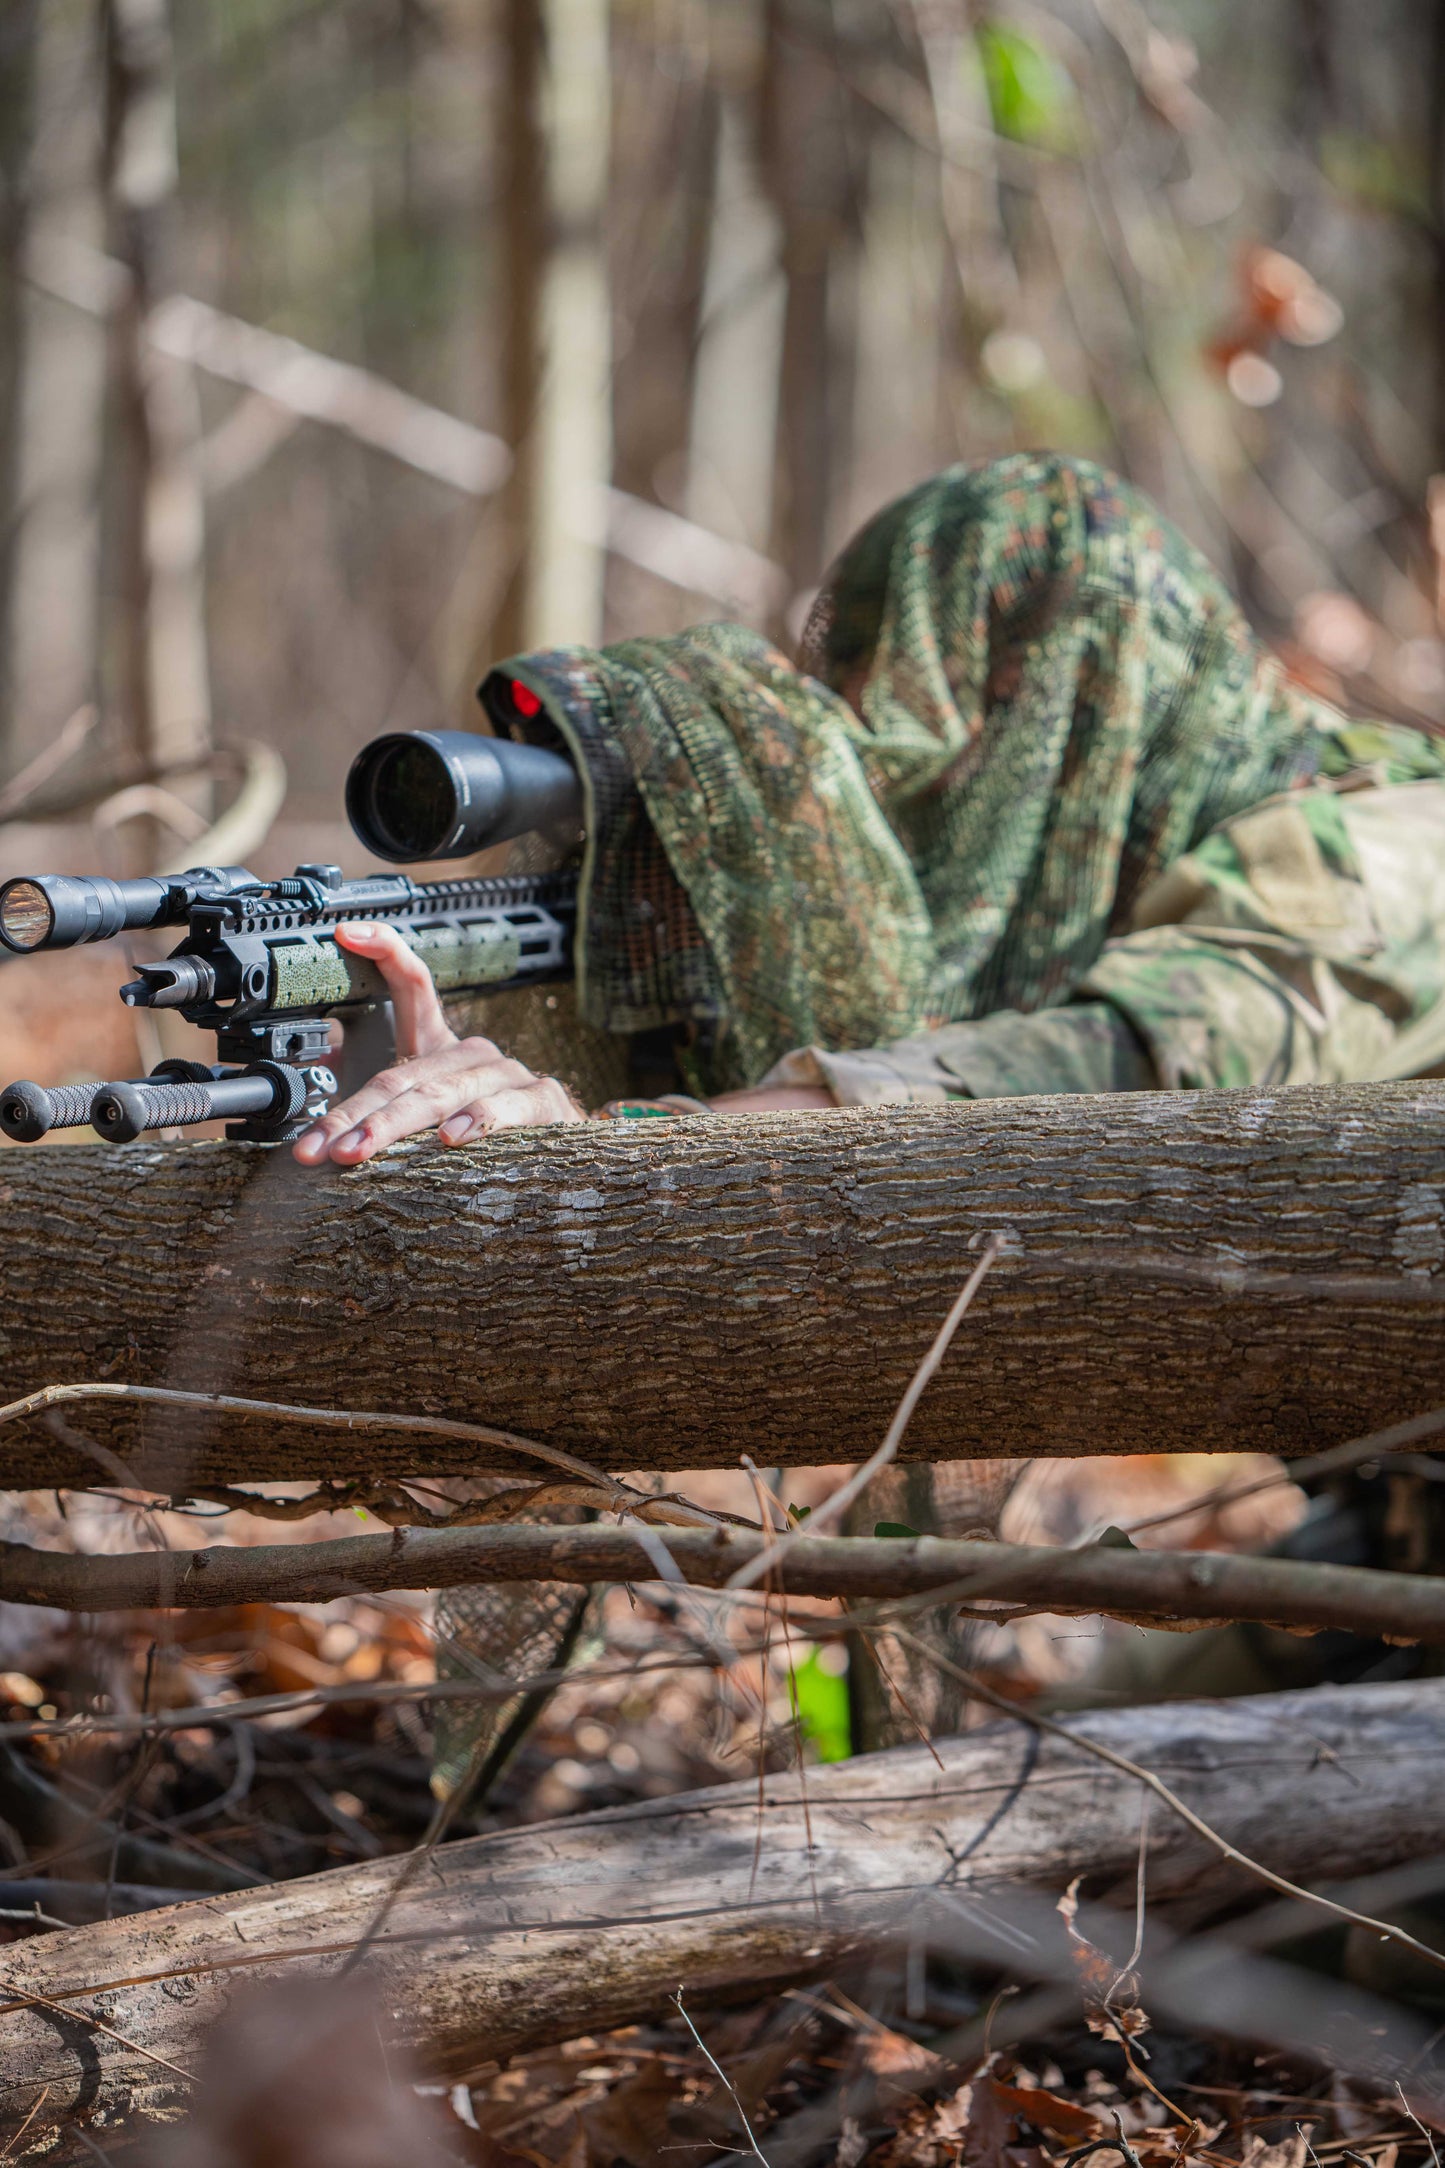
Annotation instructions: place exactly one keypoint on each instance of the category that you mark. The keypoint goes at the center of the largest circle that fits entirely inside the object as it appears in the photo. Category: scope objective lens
(26, 917)
(413, 800)
(414, 795)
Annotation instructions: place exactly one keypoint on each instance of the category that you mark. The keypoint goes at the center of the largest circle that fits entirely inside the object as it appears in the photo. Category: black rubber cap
(27, 1112)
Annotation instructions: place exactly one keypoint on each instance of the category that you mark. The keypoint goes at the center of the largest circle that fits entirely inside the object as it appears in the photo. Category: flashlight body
(64, 910)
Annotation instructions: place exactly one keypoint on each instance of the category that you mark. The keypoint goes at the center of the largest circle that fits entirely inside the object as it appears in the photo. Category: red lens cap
(524, 700)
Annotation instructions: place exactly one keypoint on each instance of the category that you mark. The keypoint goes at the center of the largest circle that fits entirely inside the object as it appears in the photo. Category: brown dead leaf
(931, 2134)
(1047, 2112)
(890, 2054)
(852, 2144)
(631, 2123)
(1291, 2152)
(1110, 1997)
(989, 2126)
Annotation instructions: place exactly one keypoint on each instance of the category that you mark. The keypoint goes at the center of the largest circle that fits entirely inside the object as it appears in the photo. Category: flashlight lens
(25, 915)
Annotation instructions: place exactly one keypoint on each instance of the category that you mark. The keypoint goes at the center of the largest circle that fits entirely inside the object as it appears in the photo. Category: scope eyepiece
(422, 794)
(62, 910)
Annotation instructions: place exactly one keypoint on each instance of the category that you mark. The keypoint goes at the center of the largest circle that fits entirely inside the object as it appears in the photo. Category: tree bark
(532, 1936)
(1201, 1588)
(1188, 1272)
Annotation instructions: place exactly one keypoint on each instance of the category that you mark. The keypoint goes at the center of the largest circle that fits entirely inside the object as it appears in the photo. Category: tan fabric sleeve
(1087, 1047)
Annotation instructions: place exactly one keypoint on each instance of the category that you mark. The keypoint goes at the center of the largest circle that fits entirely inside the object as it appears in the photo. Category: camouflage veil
(1021, 693)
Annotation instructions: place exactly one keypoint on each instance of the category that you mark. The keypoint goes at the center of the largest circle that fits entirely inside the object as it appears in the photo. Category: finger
(536, 1105)
(421, 1027)
(471, 1060)
(429, 1102)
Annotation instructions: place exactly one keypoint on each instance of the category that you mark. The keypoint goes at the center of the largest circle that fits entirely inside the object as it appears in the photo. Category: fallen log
(516, 1940)
(1191, 1272)
(1198, 1587)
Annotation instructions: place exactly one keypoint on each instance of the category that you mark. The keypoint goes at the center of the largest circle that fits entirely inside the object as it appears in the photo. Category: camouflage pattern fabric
(515, 1631)
(1303, 941)
(1035, 812)
(1021, 695)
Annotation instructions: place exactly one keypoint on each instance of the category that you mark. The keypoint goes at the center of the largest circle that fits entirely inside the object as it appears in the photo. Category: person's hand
(462, 1088)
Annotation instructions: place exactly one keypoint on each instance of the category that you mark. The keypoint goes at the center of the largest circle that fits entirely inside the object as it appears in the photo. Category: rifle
(260, 965)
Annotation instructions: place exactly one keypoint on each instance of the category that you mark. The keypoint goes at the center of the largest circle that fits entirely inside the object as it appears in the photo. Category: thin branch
(723, 2079)
(1338, 1460)
(620, 1495)
(1197, 1587)
(970, 1681)
(383, 1694)
(1192, 1588)
(365, 407)
(36, 773)
(834, 1507)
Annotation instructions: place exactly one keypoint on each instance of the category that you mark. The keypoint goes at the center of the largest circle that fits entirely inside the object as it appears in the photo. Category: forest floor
(300, 1790)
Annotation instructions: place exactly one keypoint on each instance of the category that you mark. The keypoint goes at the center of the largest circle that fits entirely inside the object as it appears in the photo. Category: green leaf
(797, 1513)
(820, 1698)
(894, 1528)
(1030, 96)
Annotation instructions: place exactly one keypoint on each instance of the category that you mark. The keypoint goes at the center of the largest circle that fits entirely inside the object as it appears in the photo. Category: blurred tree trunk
(732, 437)
(901, 309)
(809, 157)
(18, 31)
(57, 393)
(160, 539)
(556, 318)
(894, 1692)
(1437, 223)
(661, 253)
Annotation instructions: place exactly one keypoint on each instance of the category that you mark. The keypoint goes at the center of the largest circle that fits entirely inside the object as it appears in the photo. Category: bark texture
(1191, 1272)
(1197, 1587)
(512, 1941)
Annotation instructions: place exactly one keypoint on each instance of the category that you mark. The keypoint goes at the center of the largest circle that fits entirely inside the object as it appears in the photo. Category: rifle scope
(60, 910)
(420, 794)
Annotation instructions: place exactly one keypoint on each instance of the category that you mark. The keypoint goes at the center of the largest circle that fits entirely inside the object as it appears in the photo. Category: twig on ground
(1171, 1799)
(723, 2079)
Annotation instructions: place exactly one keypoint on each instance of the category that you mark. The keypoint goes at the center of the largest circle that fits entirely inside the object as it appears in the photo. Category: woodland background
(596, 268)
(346, 347)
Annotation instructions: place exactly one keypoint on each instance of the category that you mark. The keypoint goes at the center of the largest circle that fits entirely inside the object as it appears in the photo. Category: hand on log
(535, 1935)
(763, 1283)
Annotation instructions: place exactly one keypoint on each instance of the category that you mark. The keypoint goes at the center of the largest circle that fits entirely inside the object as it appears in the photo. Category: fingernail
(351, 1142)
(459, 1126)
(310, 1145)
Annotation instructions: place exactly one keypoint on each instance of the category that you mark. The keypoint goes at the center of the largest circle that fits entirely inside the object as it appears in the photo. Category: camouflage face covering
(1021, 694)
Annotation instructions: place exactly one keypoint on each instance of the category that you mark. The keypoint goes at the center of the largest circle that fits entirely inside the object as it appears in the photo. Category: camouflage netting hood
(1021, 694)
